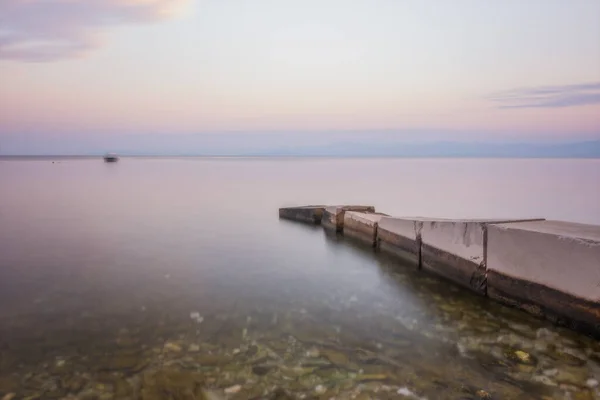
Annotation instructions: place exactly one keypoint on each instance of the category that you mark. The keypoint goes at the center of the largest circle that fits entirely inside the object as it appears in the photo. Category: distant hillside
(589, 149)
(308, 145)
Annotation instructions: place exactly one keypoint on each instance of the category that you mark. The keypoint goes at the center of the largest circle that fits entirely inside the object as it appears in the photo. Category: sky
(95, 75)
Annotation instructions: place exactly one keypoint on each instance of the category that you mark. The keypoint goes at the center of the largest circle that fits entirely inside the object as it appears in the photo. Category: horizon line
(125, 155)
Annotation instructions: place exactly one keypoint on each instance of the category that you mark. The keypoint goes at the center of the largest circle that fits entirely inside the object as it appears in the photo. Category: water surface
(155, 278)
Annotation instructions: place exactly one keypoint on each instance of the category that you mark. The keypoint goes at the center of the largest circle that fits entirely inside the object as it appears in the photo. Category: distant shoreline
(473, 157)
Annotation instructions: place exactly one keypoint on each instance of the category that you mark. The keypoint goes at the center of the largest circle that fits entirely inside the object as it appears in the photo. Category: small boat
(111, 157)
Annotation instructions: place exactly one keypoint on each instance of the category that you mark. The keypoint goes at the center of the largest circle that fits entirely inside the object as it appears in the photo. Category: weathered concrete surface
(309, 214)
(456, 250)
(400, 237)
(333, 216)
(362, 226)
(549, 268)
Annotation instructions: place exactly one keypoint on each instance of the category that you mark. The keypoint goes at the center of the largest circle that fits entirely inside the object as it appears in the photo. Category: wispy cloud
(549, 96)
(48, 30)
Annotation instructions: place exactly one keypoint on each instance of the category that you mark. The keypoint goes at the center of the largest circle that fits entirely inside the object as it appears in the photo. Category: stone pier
(308, 214)
(455, 249)
(333, 216)
(400, 237)
(548, 268)
(362, 226)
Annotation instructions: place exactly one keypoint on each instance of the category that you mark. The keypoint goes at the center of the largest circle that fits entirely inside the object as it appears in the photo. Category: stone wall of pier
(548, 268)
(308, 214)
(362, 226)
(333, 216)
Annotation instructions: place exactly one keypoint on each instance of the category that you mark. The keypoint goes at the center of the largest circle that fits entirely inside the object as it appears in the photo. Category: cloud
(549, 96)
(49, 30)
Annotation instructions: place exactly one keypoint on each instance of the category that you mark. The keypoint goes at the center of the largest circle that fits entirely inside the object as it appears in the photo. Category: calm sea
(158, 278)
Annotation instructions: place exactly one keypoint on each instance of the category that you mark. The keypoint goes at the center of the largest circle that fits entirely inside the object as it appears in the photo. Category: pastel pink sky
(108, 67)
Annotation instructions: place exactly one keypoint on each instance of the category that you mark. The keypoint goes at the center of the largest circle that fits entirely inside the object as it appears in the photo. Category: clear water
(175, 279)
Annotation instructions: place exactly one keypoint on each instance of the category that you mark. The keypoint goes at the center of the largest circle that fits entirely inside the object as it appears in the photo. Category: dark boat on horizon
(111, 157)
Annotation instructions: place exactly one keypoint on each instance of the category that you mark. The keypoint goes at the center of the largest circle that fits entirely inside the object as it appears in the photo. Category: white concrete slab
(561, 255)
(367, 219)
(308, 214)
(333, 216)
(399, 226)
(362, 226)
(463, 239)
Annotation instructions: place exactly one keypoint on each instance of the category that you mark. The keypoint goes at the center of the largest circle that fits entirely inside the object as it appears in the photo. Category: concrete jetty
(400, 237)
(548, 268)
(455, 249)
(333, 216)
(307, 214)
(362, 226)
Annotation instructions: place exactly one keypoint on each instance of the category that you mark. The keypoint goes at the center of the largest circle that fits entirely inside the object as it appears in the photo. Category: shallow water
(155, 278)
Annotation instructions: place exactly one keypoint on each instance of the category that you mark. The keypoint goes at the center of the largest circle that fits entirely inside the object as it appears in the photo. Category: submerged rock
(406, 392)
(372, 377)
(125, 363)
(73, 383)
(320, 389)
(8, 384)
(127, 341)
(583, 395)
(210, 395)
(212, 360)
(572, 376)
(261, 369)
(335, 357)
(569, 358)
(521, 356)
(195, 316)
(122, 388)
(328, 373)
(295, 372)
(172, 385)
(172, 347)
(313, 352)
(233, 389)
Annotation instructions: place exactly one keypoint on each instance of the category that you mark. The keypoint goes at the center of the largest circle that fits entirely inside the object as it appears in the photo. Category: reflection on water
(150, 294)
